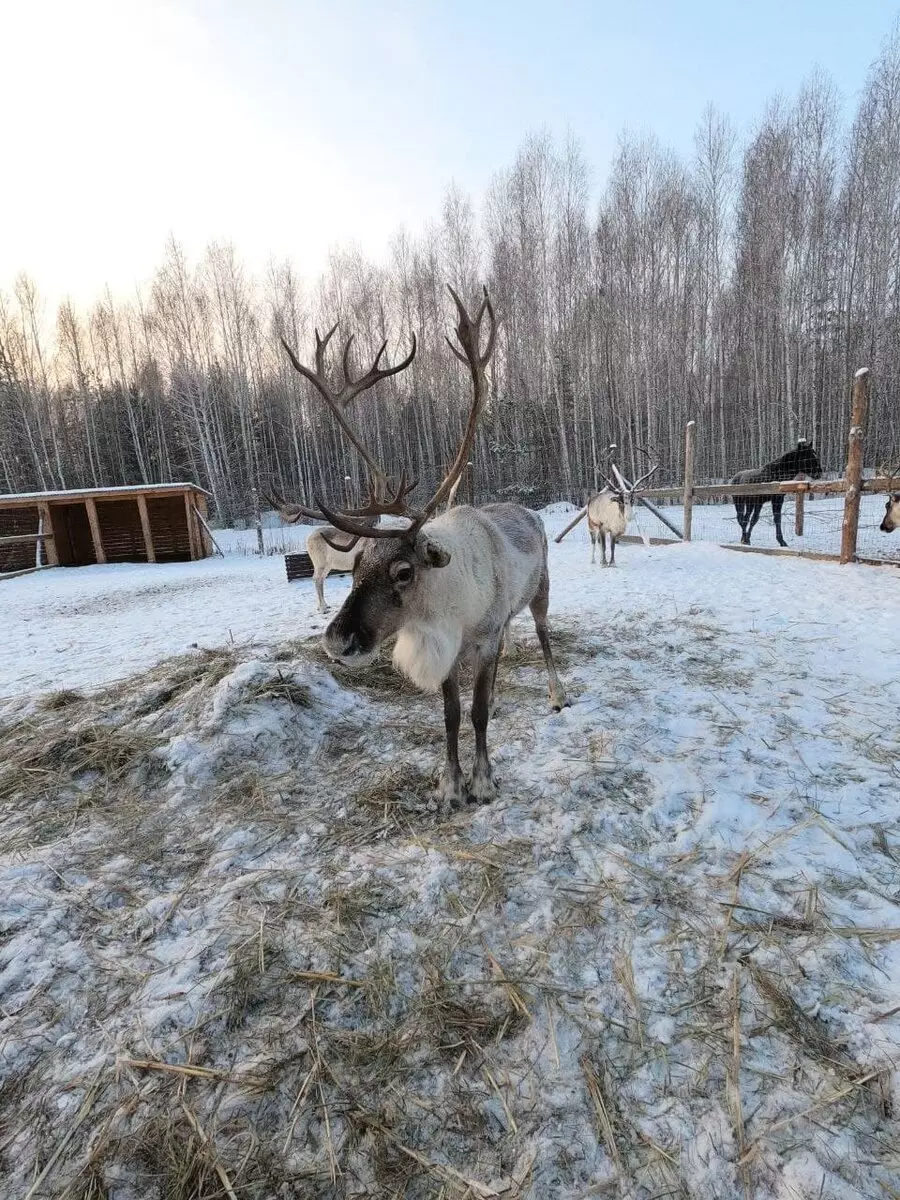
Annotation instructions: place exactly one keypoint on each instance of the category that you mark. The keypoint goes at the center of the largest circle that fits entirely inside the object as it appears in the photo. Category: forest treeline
(740, 286)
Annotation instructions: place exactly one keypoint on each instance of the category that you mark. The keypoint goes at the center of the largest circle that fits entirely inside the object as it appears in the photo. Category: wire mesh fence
(533, 473)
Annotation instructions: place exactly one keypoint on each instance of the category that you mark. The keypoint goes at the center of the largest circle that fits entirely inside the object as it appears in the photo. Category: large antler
(468, 333)
(339, 401)
(631, 488)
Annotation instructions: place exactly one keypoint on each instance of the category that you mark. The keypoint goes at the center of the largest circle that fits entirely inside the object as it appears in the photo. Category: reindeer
(328, 549)
(609, 512)
(891, 520)
(449, 583)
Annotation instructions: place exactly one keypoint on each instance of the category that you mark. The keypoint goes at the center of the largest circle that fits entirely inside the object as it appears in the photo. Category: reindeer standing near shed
(449, 583)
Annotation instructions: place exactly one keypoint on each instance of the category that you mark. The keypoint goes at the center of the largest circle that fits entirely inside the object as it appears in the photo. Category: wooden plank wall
(14, 521)
(120, 529)
(168, 523)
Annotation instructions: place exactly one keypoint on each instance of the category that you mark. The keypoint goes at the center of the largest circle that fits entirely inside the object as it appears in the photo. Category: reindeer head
(388, 576)
(891, 519)
(623, 492)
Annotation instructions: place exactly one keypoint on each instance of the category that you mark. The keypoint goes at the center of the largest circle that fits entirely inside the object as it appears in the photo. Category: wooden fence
(852, 486)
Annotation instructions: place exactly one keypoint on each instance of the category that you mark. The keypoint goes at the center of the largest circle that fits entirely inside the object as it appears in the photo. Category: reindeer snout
(349, 646)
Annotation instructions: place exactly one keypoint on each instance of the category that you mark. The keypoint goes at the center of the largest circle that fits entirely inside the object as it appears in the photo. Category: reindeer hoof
(482, 789)
(450, 792)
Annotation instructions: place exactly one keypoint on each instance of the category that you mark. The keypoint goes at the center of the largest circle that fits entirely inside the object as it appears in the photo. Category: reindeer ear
(431, 554)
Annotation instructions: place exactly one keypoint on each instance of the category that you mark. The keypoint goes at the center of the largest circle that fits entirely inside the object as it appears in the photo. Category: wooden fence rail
(852, 486)
(819, 487)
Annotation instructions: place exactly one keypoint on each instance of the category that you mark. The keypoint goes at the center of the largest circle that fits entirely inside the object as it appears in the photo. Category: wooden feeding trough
(299, 566)
(163, 522)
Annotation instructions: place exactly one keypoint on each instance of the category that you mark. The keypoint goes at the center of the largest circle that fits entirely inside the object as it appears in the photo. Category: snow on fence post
(853, 473)
(689, 432)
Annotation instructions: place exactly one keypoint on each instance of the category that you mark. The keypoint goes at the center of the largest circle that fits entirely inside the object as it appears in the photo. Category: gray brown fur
(448, 593)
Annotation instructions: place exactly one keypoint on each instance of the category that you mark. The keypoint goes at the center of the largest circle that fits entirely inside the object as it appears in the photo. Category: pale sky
(288, 127)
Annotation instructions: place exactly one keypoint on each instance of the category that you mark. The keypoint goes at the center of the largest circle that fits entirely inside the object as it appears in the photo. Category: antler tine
(342, 548)
(643, 479)
(345, 360)
(290, 512)
(321, 347)
(376, 505)
(357, 529)
(338, 401)
(472, 328)
(487, 307)
(353, 387)
(467, 331)
(624, 486)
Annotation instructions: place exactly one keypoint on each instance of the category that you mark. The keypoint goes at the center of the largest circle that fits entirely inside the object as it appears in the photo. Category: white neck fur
(425, 653)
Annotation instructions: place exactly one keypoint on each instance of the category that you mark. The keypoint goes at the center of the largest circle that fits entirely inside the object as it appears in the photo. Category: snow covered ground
(240, 950)
(711, 523)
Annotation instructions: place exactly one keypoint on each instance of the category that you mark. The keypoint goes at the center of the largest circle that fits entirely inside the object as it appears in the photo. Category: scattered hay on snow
(243, 954)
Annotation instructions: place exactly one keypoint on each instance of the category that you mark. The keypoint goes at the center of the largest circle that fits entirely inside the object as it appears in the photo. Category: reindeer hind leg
(539, 606)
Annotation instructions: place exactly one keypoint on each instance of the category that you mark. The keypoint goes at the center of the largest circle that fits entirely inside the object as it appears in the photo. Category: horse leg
(755, 508)
(777, 505)
(739, 509)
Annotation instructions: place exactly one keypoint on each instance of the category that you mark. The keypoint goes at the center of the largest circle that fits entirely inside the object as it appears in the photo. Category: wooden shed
(162, 522)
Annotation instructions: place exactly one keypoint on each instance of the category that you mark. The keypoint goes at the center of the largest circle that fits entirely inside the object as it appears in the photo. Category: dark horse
(802, 461)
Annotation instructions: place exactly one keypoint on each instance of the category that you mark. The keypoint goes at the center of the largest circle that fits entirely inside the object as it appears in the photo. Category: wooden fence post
(853, 474)
(257, 518)
(146, 528)
(96, 536)
(798, 513)
(689, 432)
(50, 551)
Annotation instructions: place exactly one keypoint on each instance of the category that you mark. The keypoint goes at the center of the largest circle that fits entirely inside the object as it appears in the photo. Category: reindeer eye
(401, 572)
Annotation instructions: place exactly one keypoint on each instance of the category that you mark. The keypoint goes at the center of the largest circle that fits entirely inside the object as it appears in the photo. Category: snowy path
(665, 962)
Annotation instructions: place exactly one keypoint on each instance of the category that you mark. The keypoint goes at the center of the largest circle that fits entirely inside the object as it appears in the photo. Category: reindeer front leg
(452, 789)
(483, 789)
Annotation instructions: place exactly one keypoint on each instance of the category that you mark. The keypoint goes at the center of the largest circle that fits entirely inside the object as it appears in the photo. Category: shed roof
(103, 493)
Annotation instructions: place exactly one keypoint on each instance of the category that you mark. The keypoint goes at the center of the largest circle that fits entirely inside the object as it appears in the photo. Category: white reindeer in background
(609, 513)
(324, 547)
(448, 584)
(891, 519)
